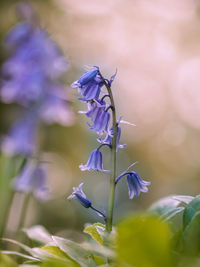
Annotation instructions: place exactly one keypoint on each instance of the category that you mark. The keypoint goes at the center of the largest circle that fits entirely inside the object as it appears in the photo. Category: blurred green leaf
(183, 199)
(19, 244)
(8, 252)
(143, 241)
(177, 241)
(166, 204)
(171, 213)
(99, 260)
(58, 263)
(38, 233)
(75, 251)
(6, 261)
(96, 231)
(191, 236)
(55, 251)
(191, 209)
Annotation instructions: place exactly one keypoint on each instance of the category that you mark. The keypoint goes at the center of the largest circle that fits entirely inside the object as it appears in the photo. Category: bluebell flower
(109, 136)
(80, 196)
(136, 184)
(101, 122)
(21, 139)
(55, 109)
(94, 163)
(34, 66)
(32, 179)
(112, 78)
(88, 76)
(89, 85)
(94, 109)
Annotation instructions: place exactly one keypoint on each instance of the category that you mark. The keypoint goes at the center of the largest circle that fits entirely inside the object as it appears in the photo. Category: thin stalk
(6, 216)
(109, 221)
(11, 193)
(98, 211)
(23, 213)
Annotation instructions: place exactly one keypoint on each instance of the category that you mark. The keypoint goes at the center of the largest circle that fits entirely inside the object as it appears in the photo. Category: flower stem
(99, 212)
(10, 172)
(109, 221)
(23, 214)
(6, 216)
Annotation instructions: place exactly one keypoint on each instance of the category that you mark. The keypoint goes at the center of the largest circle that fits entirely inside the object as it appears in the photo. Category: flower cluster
(31, 79)
(109, 131)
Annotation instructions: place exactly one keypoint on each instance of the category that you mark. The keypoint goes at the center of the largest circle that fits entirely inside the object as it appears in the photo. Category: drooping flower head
(32, 179)
(80, 196)
(136, 184)
(89, 85)
(95, 162)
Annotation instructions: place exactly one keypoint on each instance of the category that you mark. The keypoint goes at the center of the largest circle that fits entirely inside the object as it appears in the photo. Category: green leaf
(6, 261)
(55, 251)
(99, 260)
(96, 231)
(144, 241)
(183, 199)
(191, 209)
(191, 236)
(166, 204)
(171, 213)
(58, 263)
(75, 251)
(20, 255)
(21, 245)
(38, 233)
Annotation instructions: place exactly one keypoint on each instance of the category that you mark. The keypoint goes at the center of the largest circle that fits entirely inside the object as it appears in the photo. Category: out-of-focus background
(155, 46)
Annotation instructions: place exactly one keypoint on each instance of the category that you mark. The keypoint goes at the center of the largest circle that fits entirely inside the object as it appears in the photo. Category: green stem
(23, 213)
(10, 172)
(109, 221)
(6, 216)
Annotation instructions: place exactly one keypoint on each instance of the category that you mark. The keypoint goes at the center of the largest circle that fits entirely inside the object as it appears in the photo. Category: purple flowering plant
(31, 79)
(102, 112)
